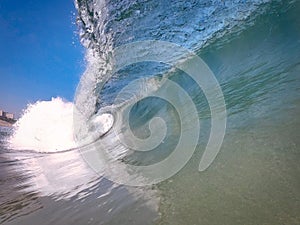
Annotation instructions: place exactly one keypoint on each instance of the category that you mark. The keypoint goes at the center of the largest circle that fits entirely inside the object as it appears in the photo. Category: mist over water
(253, 49)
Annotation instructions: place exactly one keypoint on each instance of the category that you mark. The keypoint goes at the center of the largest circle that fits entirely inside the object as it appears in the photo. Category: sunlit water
(255, 178)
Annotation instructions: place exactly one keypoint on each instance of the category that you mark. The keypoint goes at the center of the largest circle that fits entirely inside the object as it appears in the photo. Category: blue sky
(40, 53)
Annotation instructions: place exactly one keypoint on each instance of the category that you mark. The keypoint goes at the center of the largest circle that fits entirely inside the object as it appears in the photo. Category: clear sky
(40, 53)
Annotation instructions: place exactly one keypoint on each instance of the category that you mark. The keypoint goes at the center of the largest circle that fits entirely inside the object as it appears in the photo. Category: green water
(255, 179)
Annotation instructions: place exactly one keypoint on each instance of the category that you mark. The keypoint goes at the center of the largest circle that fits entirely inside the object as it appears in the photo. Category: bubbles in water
(101, 124)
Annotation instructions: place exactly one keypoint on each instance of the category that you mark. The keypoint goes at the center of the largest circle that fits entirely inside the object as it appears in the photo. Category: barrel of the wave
(106, 163)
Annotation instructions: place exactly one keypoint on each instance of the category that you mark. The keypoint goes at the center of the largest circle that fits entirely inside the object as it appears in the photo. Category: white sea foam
(45, 126)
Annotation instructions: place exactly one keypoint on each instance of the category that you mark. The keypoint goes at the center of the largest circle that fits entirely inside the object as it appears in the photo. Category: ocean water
(252, 47)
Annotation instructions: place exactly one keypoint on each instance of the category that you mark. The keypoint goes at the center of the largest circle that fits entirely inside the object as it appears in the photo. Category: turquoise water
(255, 178)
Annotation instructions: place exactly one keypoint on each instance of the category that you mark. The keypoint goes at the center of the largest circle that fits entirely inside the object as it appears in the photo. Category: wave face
(253, 48)
(108, 24)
